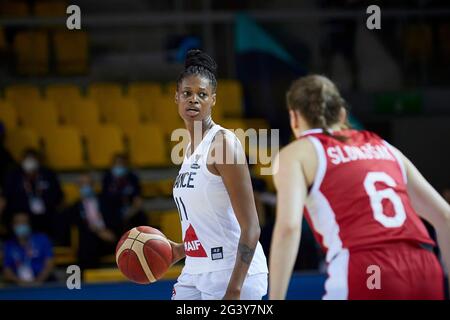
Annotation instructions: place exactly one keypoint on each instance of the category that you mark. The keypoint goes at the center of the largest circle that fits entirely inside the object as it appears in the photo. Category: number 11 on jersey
(180, 205)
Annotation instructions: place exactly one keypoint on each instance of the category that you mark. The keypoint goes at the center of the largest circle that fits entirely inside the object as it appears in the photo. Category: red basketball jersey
(359, 197)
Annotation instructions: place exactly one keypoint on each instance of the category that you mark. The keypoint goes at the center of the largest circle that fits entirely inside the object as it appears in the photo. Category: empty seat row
(33, 54)
(65, 149)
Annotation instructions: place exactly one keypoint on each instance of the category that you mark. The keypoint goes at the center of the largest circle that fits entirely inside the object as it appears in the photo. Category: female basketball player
(363, 200)
(215, 200)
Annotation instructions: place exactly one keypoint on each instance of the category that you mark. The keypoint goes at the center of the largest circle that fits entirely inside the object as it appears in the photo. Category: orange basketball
(143, 254)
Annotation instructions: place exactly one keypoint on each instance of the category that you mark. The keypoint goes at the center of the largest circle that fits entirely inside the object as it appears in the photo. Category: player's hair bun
(198, 58)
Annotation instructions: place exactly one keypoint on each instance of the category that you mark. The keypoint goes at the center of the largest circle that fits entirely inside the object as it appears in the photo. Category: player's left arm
(291, 188)
(237, 181)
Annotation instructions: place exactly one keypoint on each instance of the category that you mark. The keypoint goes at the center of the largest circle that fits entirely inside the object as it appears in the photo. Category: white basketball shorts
(212, 286)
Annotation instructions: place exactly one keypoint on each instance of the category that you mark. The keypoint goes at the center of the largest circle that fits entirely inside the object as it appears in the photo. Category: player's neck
(336, 127)
(198, 129)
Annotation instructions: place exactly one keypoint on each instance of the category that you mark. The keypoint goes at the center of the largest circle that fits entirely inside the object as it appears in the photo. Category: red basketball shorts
(396, 271)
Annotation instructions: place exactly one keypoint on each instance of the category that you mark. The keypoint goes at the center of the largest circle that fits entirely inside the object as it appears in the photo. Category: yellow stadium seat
(144, 89)
(148, 147)
(256, 170)
(40, 115)
(71, 52)
(14, 8)
(247, 131)
(50, 8)
(234, 123)
(124, 113)
(21, 92)
(104, 93)
(257, 123)
(8, 115)
(61, 93)
(165, 187)
(71, 192)
(170, 225)
(32, 52)
(217, 113)
(170, 88)
(63, 149)
(104, 90)
(245, 123)
(418, 42)
(84, 114)
(19, 139)
(229, 98)
(102, 144)
(145, 94)
(166, 114)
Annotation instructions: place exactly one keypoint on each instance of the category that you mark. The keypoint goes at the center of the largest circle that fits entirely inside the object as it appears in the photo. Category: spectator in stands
(122, 193)
(28, 256)
(35, 189)
(6, 160)
(96, 235)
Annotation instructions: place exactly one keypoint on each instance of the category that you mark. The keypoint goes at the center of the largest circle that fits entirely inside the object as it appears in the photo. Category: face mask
(86, 192)
(30, 165)
(119, 171)
(22, 230)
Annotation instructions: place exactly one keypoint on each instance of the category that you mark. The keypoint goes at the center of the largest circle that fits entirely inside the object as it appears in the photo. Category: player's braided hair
(318, 101)
(199, 63)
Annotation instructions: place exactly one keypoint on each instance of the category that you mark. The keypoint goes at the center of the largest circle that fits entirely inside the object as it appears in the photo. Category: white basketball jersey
(210, 229)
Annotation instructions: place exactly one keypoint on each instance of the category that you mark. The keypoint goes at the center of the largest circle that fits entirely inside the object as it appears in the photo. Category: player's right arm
(178, 252)
(429, 204)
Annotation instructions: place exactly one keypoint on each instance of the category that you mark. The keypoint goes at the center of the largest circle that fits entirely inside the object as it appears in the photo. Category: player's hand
(177, 251)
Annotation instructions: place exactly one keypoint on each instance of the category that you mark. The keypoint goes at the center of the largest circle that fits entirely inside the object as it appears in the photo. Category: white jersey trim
(321, 164)
(324, 222)
(204, 168)
(336, 286)
(399, 160)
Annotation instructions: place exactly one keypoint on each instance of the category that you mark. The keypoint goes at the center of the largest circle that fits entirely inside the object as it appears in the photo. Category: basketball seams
(135, 242)
(143, 261)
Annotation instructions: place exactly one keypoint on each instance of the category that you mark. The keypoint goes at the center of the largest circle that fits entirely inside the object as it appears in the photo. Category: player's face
(195, 98)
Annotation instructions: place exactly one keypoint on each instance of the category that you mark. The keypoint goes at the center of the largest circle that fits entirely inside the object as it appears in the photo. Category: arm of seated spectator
(10, 276)
(136, 206)
(46, 271)
(47, 252)
(8, 265)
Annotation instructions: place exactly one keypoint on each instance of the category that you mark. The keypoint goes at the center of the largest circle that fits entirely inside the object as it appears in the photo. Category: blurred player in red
(363, 199)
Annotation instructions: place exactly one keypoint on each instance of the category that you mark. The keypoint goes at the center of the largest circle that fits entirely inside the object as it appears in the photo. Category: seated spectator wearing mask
(96, 233)
(34, 189)
(122, 194)
(28, 256)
